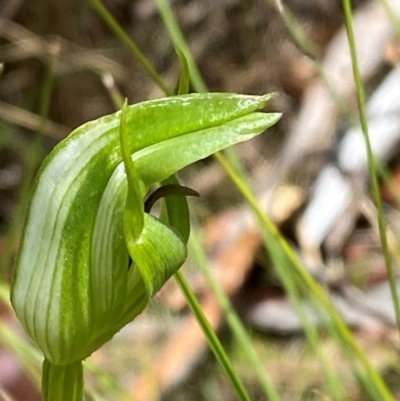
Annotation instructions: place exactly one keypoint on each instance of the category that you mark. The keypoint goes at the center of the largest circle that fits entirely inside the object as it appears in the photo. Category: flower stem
(62, 382)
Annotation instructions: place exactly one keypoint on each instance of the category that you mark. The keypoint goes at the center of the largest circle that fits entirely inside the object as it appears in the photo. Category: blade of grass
(233, 319)
(345, 336)
(271, 233)
(212, 338)
(301, 40)
(371, 163)
(294, 288)
(179, 42)
(311, 50)
(132, 46)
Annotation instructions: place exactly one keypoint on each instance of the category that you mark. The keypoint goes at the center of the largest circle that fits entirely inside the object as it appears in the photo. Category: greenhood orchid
(72, 288)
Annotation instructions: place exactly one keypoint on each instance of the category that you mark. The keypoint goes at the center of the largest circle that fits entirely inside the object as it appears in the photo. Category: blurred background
(61, 67)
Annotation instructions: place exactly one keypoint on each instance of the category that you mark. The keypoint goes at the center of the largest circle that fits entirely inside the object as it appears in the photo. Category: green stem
(117, 29)
(212, 338)
(371, 163)
(62, 383)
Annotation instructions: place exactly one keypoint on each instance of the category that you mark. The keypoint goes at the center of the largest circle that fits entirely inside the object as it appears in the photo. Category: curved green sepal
(72, 289)
(133, 209)
(181, 151)
(184, 80)
(158, 253)
(177, 212)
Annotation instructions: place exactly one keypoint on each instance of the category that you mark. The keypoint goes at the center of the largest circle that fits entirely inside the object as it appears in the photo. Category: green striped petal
(72, 290)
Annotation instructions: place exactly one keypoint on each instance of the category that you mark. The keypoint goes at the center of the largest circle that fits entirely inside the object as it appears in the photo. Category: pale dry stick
(27, 119)
(108, 82)
(71, 58)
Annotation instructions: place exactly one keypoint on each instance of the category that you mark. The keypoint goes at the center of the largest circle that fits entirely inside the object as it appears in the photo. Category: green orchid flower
(72, 288)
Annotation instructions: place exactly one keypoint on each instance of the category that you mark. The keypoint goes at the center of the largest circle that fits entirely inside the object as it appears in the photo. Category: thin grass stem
(132, 46)
(270, 232)
(212, 338)
(294, 289)
(179, 42)
(193, 303)
(233, 320)
(371, 162)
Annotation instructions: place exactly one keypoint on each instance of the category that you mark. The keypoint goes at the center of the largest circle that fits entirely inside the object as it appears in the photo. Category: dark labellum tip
(167, 190)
